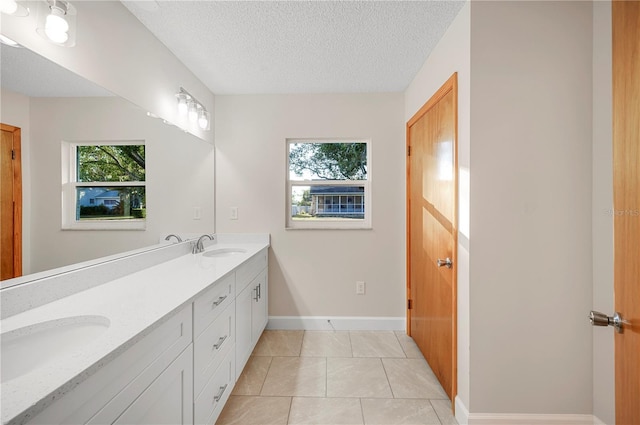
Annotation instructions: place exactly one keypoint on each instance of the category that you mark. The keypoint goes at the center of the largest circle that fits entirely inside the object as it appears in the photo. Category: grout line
(435, 411)
(290, 405)
(361, 411)
(265, 376)
(393, 396)
(401, 346)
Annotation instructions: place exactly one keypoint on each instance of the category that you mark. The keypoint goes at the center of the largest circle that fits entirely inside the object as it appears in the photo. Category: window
(328, 184)
(103, 185)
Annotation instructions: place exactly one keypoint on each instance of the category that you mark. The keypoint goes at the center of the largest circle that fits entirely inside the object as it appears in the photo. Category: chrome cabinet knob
(600, 319)
(446, 262)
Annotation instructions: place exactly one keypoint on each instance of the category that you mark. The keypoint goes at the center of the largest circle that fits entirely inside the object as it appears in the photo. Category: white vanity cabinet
(214, 348)
(155, 368)
(251, 306)
(185, 367)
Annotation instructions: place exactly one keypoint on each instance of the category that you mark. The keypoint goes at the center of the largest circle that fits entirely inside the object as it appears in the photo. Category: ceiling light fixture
(56, 22)
(196, 112)
(13, 8)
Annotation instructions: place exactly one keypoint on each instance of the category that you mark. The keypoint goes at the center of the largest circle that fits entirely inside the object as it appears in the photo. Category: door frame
(17, 196)
(451, 85)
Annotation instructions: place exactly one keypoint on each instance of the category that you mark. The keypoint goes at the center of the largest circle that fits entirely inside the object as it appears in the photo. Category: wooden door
(10, 203)
(626, 194)
(432, 232)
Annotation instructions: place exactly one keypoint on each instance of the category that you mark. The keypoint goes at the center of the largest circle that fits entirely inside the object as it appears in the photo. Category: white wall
(603, 356)
(531, 208)
(179, 172)
(14, 110)
(452, 54)
(114, 50)
(311, 272)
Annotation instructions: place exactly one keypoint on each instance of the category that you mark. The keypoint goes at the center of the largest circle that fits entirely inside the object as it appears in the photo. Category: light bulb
(203, 119)
(193, 112)
(56, 26)
(183, 108)
(8, 6)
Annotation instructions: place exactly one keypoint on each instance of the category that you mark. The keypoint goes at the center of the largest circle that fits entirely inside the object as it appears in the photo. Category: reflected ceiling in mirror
(25, 72)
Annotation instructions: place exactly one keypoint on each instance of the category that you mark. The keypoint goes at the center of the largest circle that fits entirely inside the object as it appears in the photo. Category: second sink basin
(31, 347)
(224, 252)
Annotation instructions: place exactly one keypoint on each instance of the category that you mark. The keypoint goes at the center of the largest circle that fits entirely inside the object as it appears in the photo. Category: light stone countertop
(135, 305)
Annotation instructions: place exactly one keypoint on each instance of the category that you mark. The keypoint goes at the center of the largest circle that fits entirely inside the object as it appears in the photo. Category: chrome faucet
(198, 247)
(178, 238)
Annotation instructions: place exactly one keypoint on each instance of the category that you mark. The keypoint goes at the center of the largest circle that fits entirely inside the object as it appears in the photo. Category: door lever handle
(446, 262)
(600, 319)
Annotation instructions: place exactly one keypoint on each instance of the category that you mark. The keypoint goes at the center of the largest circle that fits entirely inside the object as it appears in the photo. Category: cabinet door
(243, 328)
(169, 399)
(259, 306)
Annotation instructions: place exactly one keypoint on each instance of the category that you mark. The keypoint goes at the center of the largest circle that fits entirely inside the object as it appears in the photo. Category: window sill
(106, 225)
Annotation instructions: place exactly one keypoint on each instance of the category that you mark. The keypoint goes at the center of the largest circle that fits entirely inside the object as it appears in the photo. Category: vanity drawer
(250, 269)
(210, 402)
(213, 302)
(212, 346)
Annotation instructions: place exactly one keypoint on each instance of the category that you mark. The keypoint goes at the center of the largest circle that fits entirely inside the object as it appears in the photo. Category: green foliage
(104, 163)
(330, 161)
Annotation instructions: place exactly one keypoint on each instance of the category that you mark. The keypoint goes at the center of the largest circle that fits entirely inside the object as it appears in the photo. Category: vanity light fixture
(56, 22)
(13, 8)
(196, 112)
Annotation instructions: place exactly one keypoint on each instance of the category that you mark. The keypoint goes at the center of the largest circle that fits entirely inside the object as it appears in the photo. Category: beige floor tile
(325, 411)
(296, 376)
(279, 343)
(253, 376)
(326, 344)
(409, 346)
(443, 409)
(412, 378)
(247, 410)
(375, 344)
(398, 412)
(357, 377)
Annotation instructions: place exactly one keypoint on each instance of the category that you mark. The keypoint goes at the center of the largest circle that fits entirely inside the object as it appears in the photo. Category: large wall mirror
(52, 107)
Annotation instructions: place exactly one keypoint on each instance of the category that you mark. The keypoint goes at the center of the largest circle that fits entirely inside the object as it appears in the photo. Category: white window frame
(319, 223)
(70, 184)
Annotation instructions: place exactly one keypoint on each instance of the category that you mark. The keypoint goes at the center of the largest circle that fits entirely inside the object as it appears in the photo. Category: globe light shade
(56, 22)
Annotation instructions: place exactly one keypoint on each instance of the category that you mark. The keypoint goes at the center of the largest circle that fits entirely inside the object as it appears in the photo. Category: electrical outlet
(197, 213)
(233, 214)
(360, 288)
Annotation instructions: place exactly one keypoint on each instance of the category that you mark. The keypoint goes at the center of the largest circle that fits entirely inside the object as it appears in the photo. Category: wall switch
(233, 215)
(360, 288)
(197, 213)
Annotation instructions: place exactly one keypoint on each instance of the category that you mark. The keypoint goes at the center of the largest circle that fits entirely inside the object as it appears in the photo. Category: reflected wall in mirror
(51, 106)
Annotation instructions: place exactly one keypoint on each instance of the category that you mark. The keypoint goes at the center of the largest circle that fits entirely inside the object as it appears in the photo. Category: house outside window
(328, 184)
(104, 185)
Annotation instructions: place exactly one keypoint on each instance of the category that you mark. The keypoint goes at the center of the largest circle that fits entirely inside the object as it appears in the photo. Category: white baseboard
(462, 413)
(530, 419)
(344, 323)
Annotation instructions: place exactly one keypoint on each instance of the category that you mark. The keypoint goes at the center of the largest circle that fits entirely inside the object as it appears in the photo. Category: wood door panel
(626, 201)
(6, 203)
(432, 232)
(11, 202)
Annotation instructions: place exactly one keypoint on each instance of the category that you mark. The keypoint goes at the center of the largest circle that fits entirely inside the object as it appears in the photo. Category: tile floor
(337, 378)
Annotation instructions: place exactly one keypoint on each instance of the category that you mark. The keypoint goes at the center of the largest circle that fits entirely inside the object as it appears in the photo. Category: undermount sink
(224, 252)
(31, 347)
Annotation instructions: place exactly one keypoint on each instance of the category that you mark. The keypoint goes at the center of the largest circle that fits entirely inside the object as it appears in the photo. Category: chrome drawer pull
(218, 344)
(218, 396)
(257, 294)
(219, 301)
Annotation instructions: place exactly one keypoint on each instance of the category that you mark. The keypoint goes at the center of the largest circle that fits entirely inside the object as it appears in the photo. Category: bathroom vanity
(164, 344)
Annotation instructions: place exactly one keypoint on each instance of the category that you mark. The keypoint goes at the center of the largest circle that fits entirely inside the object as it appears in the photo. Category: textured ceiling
(238, 47)
(22, 71)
